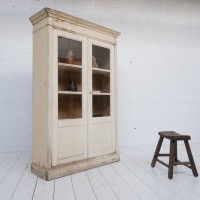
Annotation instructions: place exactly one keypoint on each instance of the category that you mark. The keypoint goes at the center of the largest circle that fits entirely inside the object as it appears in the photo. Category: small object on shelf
(94, 62)
(72, 86)
(96, 91)
(70, 57)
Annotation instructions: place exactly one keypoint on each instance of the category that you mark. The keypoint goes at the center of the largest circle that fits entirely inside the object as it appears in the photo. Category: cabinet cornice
(60, 16)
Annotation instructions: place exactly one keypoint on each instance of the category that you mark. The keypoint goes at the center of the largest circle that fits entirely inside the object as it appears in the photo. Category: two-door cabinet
(74, 104)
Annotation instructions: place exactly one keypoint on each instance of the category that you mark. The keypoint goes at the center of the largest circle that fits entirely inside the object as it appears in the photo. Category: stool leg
(194, 170)
(171, 159)
(160, 141)
(176, 153)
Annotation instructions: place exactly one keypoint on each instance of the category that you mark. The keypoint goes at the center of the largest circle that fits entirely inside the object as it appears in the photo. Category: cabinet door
(70, 97)
(101, 123)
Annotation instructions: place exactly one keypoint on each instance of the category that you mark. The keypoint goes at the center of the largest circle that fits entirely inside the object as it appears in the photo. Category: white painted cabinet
(74, 95)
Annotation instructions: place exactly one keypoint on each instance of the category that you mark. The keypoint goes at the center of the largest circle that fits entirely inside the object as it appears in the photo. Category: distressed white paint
(158, 60)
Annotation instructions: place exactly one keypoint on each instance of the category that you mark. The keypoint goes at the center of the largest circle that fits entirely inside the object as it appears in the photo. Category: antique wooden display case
(74, 95)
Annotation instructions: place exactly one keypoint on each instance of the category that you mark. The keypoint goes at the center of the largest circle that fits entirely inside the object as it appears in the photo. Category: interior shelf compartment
(101, 56)
(101, 82)
(66, 75)
(101, 105)
(69, 51)
(69, 106)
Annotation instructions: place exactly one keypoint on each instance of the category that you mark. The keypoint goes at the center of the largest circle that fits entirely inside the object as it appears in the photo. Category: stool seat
(171, 135)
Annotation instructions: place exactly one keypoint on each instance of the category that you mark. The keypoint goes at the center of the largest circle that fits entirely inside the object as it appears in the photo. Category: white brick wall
(159, 66)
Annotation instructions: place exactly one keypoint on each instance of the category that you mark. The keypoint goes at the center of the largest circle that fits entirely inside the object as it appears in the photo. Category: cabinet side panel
(40, 97)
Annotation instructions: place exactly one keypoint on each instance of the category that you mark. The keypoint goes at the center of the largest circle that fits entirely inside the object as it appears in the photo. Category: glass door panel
(69, 51)
(69, 106)
(100, 57)
(69, 78)
(101, 105)
(100, 81)
(65, 76)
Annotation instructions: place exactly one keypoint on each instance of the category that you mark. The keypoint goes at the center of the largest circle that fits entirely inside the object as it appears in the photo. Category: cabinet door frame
(68, 122)
(107, 119)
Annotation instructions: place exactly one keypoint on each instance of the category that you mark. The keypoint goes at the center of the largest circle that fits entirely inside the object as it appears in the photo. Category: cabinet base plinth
(73, 167)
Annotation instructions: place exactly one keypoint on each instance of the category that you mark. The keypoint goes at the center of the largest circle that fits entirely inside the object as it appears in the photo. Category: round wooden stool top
(171, 135)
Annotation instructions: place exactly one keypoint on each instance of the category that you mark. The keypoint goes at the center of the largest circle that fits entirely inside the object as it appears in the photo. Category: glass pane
(100, 57)
(69, 106)
(100, 82)
(69, 79)
(69, 51)
(101, 105)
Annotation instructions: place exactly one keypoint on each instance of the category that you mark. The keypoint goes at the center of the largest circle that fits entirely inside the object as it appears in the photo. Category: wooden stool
(173, 157)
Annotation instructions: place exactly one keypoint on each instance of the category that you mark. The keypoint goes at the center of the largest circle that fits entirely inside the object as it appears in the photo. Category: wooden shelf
(69, 92)
(100, 93)
(100, 71)
(69, 67)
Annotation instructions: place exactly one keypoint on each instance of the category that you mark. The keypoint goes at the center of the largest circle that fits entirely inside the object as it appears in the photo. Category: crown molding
(48, 12)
